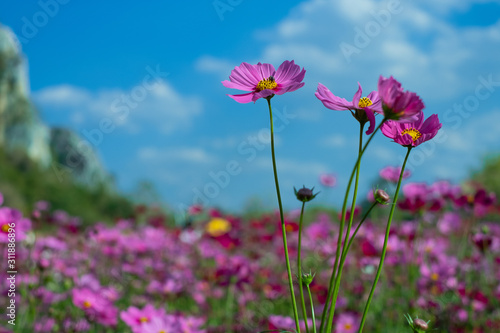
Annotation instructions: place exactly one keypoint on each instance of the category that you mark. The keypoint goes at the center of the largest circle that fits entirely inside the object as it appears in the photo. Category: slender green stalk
(299, 267)
(347, 235)
(283, 228)
(341, 231)
(384, 249)
(312, 308)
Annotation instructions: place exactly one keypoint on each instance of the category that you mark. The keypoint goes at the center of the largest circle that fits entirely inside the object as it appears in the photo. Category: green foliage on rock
(23, 182)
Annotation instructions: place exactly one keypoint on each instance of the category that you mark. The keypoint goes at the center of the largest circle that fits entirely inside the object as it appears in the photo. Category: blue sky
(86, 58)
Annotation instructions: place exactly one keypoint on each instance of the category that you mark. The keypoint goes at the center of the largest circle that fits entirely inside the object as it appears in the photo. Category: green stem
(384, 249)
(312, 308)
(348, 231)
(341, 231)
(299, 267)
(283, 228)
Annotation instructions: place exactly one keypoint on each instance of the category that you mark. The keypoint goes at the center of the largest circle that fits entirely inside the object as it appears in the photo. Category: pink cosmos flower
(263, 81)
(396, 103)
(362, 108)
(412, 134)
(391, 174)
(346, 323)
(95, 306)
(12, 219)
(136, 318)
(161, 324)
(327, 180)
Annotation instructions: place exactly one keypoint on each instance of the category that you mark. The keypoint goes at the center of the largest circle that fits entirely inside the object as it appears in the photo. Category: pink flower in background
(412, 134)
(398, 104)
(328, 180)
(136, 318)
(95, 306)
(281, 322)
(391, 174)
(10, 217)
(361, 107)
(450, 222)
(195, 209)
(346, 323)
(161, 324)
(263, 81)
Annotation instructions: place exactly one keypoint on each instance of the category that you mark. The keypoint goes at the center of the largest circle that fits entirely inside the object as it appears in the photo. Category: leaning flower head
(263, 81)
(398, 104)
(362, 108)
(412, 134)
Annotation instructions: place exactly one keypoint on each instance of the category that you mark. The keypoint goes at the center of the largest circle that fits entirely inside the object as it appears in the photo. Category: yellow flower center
(218, 226)
(87, 304)
(415, 134)
(162, 331)
(347, 326)
(364, 102)
(434, 276)
(5, 228)
(266, 84)
(144, 320)
(470, 199)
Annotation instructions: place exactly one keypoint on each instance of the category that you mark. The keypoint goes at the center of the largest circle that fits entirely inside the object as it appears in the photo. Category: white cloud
(62, 96)
(214, 65)
(174, 155)
(335, 140)
(155, 107)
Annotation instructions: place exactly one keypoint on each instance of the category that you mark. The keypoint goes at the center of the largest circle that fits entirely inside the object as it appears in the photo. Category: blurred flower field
(225, 273)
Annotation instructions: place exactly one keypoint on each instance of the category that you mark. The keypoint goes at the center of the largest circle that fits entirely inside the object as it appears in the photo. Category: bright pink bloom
(263, 81)
(412, 134)
(327, 180)
(362, 108)
(398, 104)
(391, 174)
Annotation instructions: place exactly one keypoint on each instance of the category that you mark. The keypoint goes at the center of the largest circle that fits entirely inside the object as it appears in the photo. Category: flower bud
(307, 278)
(419, 324)
(381, 197)
(304, 194)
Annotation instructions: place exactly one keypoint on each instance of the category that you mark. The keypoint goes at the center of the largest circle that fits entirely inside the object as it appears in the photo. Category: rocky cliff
(22, 129)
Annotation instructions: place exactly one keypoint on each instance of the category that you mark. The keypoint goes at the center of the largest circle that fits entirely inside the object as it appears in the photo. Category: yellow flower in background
(218, 227)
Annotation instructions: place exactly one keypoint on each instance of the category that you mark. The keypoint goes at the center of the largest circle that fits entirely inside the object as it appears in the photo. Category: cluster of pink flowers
(145, 278)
